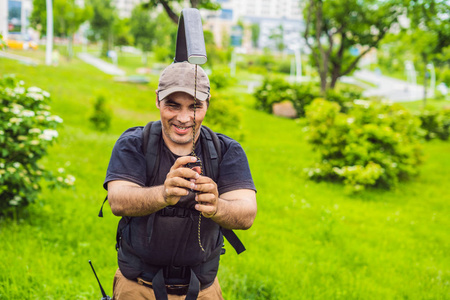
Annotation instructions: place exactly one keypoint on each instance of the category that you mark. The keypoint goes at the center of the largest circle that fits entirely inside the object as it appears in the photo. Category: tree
(278, 37)
(173, 15)
(67, 18)
(102, 22)
(256, 29)
(335, 27)
(142, 28)
(122, 32)
(429, 32)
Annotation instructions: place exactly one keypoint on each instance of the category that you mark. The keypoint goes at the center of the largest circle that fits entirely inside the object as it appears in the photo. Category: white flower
(16, 165)
(34, 89)
(46, 94)
(61, 170)
(34, 130)
(43, 113)
(28, 113)
(35, 96)
(15, 110)
(2, 165)
(15, 120)
(70, 180)
(55, 118)
(49, 134)
(350, 120)
(2, 132)
(19, 90)
(363, 103)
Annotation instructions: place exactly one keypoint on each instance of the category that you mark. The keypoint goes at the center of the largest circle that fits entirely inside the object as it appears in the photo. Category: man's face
(177, 118)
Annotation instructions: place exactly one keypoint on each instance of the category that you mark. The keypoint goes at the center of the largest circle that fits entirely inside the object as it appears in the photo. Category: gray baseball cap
(180, 77)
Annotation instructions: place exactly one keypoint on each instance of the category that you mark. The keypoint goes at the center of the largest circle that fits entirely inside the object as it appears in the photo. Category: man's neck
(179, 149)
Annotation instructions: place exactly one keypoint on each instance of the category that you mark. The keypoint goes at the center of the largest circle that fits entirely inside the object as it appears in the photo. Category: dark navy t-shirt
(128, 162)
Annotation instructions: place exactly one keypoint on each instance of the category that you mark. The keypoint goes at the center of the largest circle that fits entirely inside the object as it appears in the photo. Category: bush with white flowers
(27, 128)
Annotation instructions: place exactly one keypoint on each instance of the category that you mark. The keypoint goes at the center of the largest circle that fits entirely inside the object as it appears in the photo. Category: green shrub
(224, 116)
(436, 123)
(272, 91)
(275, 90)
(101, 118)
(26, 130)
(374, 144)
(220, 78)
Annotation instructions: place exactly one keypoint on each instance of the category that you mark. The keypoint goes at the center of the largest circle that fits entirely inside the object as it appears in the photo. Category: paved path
(102, 65)
(23, 59)
(390, 88)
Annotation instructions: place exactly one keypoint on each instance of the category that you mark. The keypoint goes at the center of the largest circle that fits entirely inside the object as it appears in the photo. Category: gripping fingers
(176, 192)
(207, 204)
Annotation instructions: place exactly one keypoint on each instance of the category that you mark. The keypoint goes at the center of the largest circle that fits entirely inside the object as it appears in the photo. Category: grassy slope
(310, 240)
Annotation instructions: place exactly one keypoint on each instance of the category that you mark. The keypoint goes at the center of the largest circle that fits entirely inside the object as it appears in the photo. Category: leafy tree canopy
(67, 16)
(333, 28)
(170, 4)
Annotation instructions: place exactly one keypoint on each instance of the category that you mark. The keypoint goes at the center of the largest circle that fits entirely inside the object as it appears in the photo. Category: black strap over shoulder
(212, 148)
(151, 145)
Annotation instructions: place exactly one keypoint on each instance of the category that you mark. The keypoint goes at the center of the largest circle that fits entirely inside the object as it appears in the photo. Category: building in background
(14, 16)
(279, 21)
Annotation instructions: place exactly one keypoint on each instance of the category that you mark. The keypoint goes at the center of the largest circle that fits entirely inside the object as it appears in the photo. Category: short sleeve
(127, 160)
(234, 169)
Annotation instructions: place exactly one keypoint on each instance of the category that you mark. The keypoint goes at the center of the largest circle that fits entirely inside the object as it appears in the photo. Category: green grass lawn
(310, 240)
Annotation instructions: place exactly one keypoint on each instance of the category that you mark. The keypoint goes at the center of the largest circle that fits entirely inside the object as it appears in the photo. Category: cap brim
(200, 95)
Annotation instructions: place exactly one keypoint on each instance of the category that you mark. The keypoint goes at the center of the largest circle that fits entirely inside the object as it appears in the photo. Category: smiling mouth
(182, 129)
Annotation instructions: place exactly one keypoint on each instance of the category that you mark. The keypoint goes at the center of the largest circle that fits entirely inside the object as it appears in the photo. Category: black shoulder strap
(151, 136)
(100, 213)
(212, 149)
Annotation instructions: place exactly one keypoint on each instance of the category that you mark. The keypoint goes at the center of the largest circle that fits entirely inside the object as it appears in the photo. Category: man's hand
(208, 196)
(179, 180)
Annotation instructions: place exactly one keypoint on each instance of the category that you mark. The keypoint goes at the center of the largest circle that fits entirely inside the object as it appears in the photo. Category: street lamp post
(411, 77)
(296, 64)
(430, 67)
(49, 48)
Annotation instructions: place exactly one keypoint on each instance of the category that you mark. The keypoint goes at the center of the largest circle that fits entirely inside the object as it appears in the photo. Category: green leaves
(374, 144)
(27, 128)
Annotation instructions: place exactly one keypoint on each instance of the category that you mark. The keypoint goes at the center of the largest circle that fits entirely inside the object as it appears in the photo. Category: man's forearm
(135, 201)
(235, 214)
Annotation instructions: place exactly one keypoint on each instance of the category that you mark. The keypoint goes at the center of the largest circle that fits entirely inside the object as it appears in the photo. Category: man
(169, 239)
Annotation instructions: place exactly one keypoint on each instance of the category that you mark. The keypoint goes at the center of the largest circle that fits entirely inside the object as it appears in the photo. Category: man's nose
(185, 116)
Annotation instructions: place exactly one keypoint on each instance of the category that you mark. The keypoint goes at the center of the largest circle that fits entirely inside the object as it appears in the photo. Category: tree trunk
(335, 74)
(323, 82)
